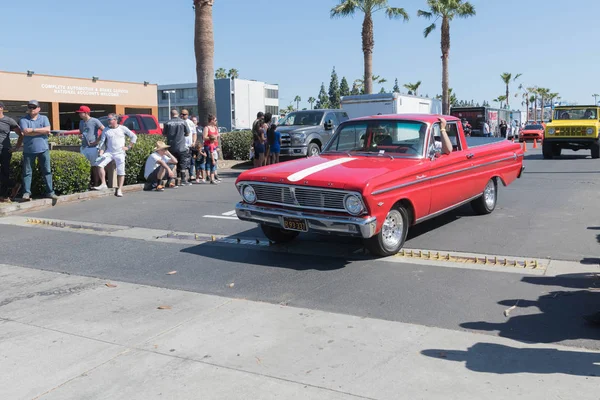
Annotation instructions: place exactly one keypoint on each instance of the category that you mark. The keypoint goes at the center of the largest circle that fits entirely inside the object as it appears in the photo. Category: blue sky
(296, 44)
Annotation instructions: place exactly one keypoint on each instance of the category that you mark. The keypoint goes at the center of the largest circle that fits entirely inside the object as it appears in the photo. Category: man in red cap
(90, 130)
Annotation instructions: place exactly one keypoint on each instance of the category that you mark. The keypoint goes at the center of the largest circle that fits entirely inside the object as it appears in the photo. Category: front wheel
(487, 202)
(313, 150)
(547, 150)
(392, 235)
(278, 235)
(596, 149)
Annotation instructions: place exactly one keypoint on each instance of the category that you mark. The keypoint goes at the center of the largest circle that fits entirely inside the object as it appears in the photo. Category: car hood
(298, 129)
(354, 173)
(532, 130)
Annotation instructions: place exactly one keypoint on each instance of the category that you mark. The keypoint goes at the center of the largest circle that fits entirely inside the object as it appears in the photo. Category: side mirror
(433, 153)
(328, 125)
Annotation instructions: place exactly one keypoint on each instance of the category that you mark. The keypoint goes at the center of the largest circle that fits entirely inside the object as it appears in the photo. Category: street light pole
(169, 92)
(595, 96)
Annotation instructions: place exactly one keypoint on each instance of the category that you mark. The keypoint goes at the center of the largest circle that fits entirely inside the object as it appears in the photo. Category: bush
(236, 145)
(70, 173)
(135, 162)
(66, 140)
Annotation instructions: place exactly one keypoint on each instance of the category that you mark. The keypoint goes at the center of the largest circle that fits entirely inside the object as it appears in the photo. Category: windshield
(533, 127)
(576, 113)
(310, 118)
(406, 138)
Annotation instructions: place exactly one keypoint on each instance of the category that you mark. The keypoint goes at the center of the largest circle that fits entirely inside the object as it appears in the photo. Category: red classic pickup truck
(376, 177)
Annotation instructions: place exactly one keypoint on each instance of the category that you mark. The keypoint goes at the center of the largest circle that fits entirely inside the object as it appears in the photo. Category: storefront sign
(84, 90)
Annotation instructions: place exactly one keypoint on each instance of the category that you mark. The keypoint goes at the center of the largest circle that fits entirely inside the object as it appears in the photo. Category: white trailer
(389, 103)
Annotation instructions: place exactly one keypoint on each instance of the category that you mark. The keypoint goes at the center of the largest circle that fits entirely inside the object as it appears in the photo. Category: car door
(150, 125)
(327, 134)
(133, 124)
(450, 173)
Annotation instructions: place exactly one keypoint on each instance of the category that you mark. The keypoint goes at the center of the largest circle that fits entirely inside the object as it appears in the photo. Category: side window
(350, 138)
(452, 131)
(149, 123)
(332, 117)
(132, 124)
(342, 116)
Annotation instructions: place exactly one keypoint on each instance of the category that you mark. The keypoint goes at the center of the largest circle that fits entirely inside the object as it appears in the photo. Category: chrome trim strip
(381, 191)
(445, 210)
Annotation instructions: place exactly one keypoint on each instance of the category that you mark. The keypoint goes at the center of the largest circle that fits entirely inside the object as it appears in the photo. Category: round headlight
(353, 204)
(551, 131)
(249, 194)
(590, 131)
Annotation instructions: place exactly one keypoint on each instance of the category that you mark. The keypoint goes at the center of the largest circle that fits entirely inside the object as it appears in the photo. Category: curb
(41, 204)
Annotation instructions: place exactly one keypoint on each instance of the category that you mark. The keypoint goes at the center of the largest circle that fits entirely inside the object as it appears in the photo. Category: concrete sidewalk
(71, 337)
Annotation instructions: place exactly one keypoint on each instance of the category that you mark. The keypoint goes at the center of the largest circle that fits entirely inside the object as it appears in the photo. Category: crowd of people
(266, 146)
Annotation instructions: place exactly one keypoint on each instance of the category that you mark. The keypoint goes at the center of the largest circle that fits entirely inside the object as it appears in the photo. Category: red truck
(137, 123)
(377, 177)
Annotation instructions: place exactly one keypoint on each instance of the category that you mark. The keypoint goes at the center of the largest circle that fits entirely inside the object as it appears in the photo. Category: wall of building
(224, 106)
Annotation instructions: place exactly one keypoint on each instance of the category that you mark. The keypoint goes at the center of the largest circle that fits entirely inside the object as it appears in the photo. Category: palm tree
(446, 10)
(348, 8)
(221, 73)
(413, 87)
(507, 78)
(500, 99)
(311, 100)
(204, 47)
(360, 83)
(297, 99)
(290, 108)
(551, 97)
(233, 73)
(532, 90)
(544, 94)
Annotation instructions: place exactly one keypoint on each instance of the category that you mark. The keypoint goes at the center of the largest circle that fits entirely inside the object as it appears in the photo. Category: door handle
(470, 155)
(421, 177)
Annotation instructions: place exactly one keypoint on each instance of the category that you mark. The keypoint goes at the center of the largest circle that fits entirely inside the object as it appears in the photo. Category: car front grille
(300, 197)
(571, 131)
(286, 140)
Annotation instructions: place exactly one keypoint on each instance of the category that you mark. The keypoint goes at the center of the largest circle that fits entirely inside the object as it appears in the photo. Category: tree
(233, 73)
(355, 89)
(334, 90)
(396, 87)
(445, 10)
(413, 87)
(360, 83)
(221, 73)
(500, 99)
(382, 91)
(485, 103)
(323, 99)
(507, 78)
(344, 87)
(311, 100)
(348, 8)
(544, 94)
(533, 100)
(297, 100)
(204, 48)
(290, 108)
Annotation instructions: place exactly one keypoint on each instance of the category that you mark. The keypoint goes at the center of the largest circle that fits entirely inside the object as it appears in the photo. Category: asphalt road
(550, 212)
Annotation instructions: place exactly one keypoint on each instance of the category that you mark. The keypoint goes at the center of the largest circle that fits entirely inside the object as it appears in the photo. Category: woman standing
(258, 141)
(274, 139)
(264, 129)
(211, 130)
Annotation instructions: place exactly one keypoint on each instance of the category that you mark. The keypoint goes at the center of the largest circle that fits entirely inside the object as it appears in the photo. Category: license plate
(295, 224)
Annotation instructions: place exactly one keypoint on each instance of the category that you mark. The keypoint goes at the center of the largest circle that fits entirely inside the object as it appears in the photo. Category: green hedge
(236, 145)
(66, 140)
(70, 173)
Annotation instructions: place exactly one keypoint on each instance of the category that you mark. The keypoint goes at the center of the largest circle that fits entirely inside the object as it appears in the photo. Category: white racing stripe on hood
(295, 177)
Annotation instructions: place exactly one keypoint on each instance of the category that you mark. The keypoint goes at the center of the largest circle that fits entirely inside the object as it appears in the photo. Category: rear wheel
(313, 149)
(596, 149)
(278, 235)
(548, 150)
(487, 202)
(392, 235)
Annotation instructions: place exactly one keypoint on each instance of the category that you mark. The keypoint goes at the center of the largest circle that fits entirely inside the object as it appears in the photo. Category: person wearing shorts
(90, 129)
(176, 131)
(114, 138)
(211, 160)
(274, 138)
(200, 162)
(159, 164)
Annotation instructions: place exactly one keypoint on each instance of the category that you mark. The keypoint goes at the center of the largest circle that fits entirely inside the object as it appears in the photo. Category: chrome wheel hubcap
(392, 230)
(490, 195)
(314, 152)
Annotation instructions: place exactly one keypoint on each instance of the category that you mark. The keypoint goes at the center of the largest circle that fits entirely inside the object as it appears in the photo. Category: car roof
(429, 118)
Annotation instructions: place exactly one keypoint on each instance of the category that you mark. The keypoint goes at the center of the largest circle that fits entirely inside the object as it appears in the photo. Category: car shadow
(296, 255)
(538, 156)
(561, 313)
(500, 359)
(440, 221)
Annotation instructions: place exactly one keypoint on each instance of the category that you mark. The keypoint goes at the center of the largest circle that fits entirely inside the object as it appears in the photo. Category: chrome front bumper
(294, 150)
(364, 227)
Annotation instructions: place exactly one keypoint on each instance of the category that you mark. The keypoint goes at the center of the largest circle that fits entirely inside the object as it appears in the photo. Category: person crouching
(159, 165)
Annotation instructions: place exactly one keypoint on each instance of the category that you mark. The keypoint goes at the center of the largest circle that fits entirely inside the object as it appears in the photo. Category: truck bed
(481, 141)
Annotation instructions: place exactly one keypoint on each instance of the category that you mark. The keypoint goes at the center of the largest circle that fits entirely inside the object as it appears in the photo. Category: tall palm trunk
(445, 44)
(527, 108)
(507, 95)
(204, 45)
(368, 43)
(535, 109)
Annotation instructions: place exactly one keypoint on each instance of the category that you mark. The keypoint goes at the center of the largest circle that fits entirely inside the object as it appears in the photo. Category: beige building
(60, 96)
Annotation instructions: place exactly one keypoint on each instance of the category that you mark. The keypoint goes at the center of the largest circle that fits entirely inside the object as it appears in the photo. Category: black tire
(313, 149)
(278, 235)
(377, 244)
(482, 206)
(595, 149)
(556, 150)
(547, 150)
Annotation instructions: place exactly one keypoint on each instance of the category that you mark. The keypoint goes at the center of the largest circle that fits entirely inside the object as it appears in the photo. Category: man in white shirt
(159, 164)
(190, 142)
(114, 138)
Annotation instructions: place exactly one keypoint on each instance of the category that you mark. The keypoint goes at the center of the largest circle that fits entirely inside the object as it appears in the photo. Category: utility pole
(595, 96)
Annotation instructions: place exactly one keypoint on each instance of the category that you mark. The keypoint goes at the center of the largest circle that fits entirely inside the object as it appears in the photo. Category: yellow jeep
(572, 127)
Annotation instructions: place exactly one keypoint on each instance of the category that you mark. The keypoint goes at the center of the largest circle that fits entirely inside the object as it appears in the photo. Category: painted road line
(231, 215)
(347, 251)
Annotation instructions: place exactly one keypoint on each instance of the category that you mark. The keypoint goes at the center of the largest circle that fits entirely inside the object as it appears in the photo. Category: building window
(164, 95)
(272, 93)
(274, 110)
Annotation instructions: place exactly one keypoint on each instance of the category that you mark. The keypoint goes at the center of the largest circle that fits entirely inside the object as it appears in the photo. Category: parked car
(307, 132)
(574, 128)
(532, 131)
(377, 177)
